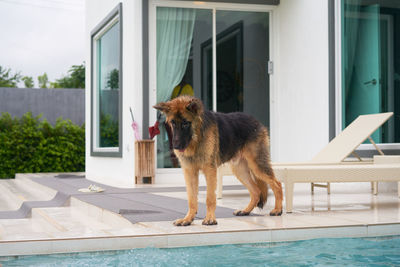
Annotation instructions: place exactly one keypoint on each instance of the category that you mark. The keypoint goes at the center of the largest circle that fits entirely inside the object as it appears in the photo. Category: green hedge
(29, 145)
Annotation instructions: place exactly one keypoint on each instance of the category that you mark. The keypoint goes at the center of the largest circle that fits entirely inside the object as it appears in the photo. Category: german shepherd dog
(203, 140)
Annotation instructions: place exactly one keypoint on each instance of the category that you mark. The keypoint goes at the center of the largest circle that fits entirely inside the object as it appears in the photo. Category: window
(371, 63)
(216, 55)
(106, 86)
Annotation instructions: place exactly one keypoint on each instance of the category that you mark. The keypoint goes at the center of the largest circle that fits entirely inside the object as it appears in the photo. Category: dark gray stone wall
(52, 103)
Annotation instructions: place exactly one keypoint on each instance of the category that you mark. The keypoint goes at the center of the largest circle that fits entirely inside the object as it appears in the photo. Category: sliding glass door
(370, 58)
(218, 56)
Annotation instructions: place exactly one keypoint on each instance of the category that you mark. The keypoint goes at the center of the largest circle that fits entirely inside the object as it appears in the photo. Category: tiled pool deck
(78, 224)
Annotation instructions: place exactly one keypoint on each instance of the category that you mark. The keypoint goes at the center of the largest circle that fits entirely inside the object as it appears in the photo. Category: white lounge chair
(329, 164)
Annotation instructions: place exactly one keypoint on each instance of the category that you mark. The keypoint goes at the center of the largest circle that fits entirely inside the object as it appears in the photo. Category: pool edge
(102, 243)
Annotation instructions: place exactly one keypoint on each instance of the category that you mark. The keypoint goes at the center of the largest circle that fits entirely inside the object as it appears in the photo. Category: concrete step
(102, 215)
(35, 190)
(27, 229)
(70, 221)
(73, 218)
(8, 200)
(13, 192)
(76, 219)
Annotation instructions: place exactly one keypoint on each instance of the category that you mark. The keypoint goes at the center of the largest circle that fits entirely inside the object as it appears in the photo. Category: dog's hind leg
(192, 189)
(241, 170)
(257, 159)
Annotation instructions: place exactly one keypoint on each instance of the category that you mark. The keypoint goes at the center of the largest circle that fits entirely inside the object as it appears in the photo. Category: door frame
(389, 20)
(213, 6)
(339, 78)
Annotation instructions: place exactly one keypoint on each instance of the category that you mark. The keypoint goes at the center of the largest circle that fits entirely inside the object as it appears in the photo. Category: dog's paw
(240, 213)
(182, 222)
(275, 212)
(209, 221)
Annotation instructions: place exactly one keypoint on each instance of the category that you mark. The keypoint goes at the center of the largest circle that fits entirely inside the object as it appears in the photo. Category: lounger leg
(398, 189)
(289, 196)
(374, 188)
(219, 184)
(327, 186)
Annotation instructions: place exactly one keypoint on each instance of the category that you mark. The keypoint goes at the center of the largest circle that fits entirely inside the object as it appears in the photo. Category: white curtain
(174, 38)
(351, 15)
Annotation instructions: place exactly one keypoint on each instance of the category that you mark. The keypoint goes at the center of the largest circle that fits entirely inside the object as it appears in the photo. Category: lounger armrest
(282, 164)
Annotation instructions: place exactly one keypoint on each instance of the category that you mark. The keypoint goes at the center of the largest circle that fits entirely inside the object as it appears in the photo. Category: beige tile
(84, 244)
(136, 229)
(2, 232)
(110, 218)
(218, 238)
(367, 216)
(383, 230)
(26, 229)
(232, 224)
(323, 219)
(167, 227)
(25, 248)
(107, 243)
(311, 233)
(143, 242)
(277, 222)
(13, 192)
(68, 219)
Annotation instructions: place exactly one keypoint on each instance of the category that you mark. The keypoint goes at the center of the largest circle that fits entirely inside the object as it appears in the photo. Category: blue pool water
(316, 252)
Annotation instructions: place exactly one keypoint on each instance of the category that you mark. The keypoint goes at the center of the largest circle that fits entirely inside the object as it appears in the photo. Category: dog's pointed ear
(195, 106)
(163, 107)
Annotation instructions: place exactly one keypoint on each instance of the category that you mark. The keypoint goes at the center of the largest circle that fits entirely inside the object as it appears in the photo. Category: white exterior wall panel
(108, 170)
(300, 108)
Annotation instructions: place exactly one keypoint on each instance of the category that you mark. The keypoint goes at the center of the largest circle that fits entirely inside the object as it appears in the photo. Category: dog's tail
(263, 186)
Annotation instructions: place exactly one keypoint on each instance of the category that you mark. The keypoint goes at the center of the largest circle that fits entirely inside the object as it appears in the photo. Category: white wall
(117, 171)
(300, 108)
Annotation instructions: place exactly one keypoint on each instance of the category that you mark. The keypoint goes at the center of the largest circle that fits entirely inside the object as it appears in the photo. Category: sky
(38, 36)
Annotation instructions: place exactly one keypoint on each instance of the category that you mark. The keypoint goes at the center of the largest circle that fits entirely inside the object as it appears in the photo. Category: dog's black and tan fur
(203, 140)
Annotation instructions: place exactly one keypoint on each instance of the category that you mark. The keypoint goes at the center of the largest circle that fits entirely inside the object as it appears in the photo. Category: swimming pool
(379, 251)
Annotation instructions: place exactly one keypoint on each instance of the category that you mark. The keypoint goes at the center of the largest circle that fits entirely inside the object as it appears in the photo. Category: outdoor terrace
(45, 213)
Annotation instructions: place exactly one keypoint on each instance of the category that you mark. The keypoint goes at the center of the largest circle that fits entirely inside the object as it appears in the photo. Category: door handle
(373, 81)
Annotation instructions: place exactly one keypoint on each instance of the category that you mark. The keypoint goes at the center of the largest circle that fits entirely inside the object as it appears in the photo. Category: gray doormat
(135, 204)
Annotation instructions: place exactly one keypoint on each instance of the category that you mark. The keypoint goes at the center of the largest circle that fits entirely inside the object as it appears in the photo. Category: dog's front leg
(211, 202)
(192, 189)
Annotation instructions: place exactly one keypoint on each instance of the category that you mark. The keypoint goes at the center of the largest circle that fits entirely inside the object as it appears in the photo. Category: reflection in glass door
(242, 55)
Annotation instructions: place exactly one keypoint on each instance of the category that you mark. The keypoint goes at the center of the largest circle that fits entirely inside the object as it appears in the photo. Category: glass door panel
(369, 63)
(364, 94)
(180, 33)
(242, 58)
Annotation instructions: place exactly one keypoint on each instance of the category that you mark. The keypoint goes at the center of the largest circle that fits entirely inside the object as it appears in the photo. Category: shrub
(28, 145)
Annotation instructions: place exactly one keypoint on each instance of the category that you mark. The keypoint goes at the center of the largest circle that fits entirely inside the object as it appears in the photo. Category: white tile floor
(349, 211)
